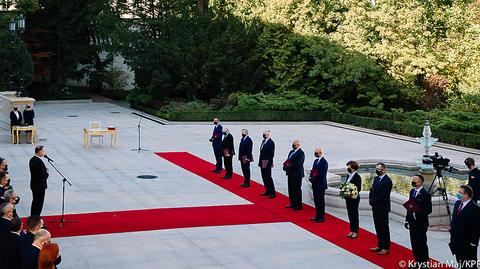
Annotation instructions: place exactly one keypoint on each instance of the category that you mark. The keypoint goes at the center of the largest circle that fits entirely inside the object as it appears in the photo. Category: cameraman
(473, 178)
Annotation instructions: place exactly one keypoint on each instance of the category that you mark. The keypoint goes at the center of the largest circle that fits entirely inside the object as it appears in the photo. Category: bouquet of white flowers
(348, 190)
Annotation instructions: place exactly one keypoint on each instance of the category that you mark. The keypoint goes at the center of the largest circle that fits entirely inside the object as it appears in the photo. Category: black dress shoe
(271, 196)
(289, 206)
(218, 172)
(245, 185)
(264, 194)
(313, 219)
(214, 170)
(297, 208)
(225, 177)
(319, 220)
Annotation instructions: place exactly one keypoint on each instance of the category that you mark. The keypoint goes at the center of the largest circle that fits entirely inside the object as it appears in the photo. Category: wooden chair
(95, 125)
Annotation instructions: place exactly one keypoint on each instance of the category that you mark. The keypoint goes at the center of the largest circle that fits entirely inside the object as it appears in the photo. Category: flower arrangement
(348, 190)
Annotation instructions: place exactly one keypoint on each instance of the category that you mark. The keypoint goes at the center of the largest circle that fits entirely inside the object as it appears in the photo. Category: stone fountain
(427, 141)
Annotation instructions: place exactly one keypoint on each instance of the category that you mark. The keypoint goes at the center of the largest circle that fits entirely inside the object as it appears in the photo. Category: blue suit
(245, 153)
(267, 151)
(379, 199)
(319, 185)
(464, 231)
(216, 140)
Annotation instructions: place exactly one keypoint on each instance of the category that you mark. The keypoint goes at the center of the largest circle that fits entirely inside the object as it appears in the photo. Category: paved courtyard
(105, 179)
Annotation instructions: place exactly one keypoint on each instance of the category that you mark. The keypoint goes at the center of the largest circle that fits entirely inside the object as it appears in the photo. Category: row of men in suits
(223, 147)
(22, 249)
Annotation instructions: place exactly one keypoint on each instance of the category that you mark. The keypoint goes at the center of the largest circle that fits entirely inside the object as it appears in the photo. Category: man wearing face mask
(216, 141)
(245, 156)
(228, 151)
(417, 222)
(295, 172)
(379, 200)
(473, 178)
(318, 178)
(15, 119)
(11, 197)
(265, 162)
(464, 232)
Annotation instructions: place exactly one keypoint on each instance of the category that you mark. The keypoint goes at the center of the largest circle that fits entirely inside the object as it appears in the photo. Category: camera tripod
(442, 188)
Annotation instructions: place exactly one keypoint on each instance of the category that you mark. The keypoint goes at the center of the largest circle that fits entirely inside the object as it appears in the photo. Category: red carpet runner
(333, 229)
(158, 219)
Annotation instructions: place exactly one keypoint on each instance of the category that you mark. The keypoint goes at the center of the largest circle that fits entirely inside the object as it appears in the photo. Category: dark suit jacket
(217, 136)
(321, 165)
(297, 159)
(10, 257)
(30, 257)
(38, 174)
(357, 181)
(464, 228)
(4, 227)
(227, 143)
(28, 116)
(245, 148)
(14, 121)
(474, 182)
(26, 239)
(424, 201)
(379, 196)
(267, 152)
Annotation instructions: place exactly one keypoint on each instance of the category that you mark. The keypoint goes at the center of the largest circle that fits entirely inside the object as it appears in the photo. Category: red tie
(459, 208)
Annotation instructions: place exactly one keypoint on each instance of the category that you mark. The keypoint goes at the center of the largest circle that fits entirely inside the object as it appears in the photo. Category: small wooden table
(90, 132)
(17, 129)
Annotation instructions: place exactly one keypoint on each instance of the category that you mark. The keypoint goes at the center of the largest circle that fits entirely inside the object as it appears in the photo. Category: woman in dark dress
(352, 204)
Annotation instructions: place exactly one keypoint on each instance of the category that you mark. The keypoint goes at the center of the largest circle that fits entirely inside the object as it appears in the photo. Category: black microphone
(46, 157)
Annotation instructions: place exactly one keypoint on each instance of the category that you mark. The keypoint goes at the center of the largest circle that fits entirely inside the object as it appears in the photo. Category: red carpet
(333, 229)
(158, 219)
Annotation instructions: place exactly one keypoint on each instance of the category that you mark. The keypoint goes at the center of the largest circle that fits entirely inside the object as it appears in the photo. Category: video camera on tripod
(439, 163)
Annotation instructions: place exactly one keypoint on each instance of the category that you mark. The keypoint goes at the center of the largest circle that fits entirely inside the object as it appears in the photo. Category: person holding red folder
(293, 167)
(265, 162)
(419, 206)
(318, 178)
(227, 152)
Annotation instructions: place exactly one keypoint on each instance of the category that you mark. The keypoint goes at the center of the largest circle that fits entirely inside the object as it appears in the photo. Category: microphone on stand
(48, 158)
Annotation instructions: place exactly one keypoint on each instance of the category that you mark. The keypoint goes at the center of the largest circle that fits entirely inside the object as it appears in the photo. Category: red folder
(287, 164)
(226, 152)
(313, 173)
(411, 206)
(264, 164)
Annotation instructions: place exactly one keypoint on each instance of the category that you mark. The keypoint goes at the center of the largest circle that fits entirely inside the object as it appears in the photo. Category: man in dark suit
(216, 141)
(318, 178)
(30, 254)
(38, 180)
(353, 203)
(10, 256)
(417, 222)
(15, 117)
(379, 200)
(245, 157)
(293, 167)
(265, 162)
(464, 231)
(34, 223)
(228, 151)
(473, 178)
(6, 216)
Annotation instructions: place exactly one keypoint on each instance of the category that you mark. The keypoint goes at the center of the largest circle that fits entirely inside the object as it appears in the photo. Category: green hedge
(398, 127)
